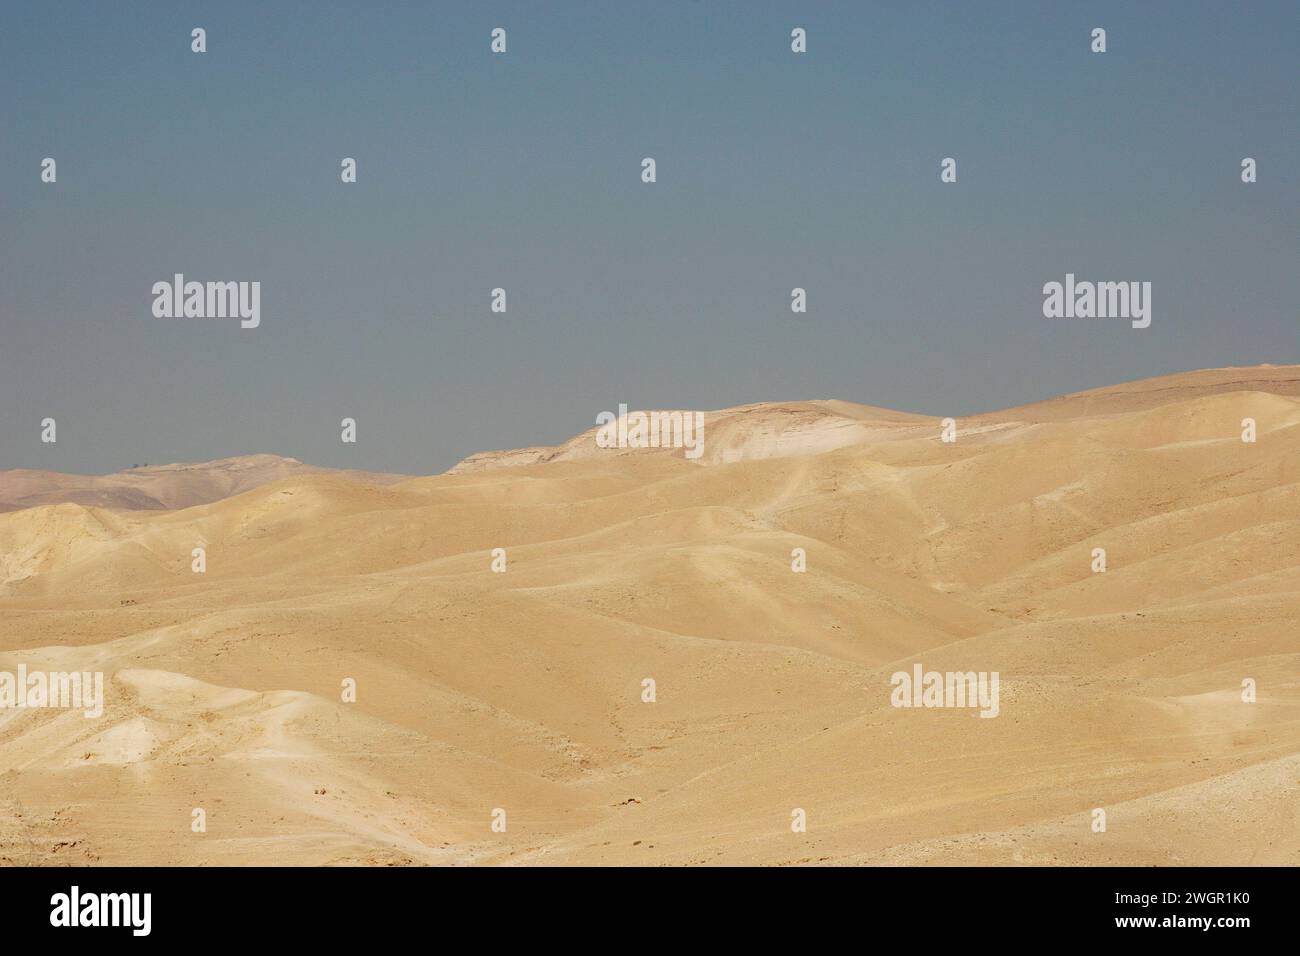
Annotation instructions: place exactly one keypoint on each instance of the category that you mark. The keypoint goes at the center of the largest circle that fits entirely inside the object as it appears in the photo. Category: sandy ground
(522, 690)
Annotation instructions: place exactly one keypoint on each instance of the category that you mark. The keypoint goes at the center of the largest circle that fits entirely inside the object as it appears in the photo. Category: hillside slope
(523, 691)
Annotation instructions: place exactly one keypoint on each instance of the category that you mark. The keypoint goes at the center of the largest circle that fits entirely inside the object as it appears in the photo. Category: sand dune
(476, 690)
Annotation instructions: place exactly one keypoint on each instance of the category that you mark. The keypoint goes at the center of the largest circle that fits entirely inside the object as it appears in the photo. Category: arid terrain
(161, 487)
(476, 690)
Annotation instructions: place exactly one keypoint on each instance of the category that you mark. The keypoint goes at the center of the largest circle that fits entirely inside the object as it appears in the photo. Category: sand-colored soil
(522, 690)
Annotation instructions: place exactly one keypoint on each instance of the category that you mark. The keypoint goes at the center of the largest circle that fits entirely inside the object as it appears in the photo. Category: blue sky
(522, 171)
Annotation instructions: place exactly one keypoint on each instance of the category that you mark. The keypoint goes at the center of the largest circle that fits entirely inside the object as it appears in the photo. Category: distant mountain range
(163, 487)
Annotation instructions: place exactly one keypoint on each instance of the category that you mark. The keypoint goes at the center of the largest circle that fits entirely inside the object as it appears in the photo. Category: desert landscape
(523, 691)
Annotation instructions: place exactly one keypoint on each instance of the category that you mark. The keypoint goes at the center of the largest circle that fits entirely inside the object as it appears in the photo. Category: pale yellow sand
(522, 690)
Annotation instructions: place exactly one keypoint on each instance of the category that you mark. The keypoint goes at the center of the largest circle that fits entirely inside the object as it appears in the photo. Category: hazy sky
(522, 171)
